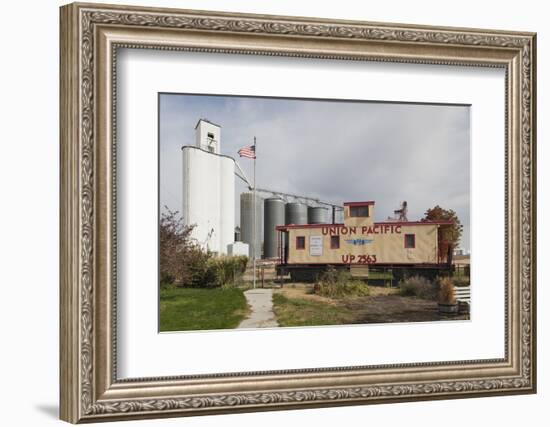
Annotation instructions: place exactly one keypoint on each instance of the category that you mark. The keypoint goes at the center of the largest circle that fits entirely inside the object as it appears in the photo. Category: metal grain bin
(295, 213)
(247, 222)
(274, 215)
(317, 215)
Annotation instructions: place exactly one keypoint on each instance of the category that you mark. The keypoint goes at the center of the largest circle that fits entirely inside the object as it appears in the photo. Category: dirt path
(261, 307)
(383, 305)
(395, 308)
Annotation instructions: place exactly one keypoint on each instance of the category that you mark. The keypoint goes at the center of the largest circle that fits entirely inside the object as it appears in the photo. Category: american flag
(248, 151)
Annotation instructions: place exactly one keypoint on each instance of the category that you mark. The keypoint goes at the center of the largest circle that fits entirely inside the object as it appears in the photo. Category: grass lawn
(302, 312)
(186, 309)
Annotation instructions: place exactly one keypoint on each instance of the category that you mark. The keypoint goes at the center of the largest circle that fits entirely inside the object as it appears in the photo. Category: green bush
(224, 271)
(418, 286)
(241, 261)
(339, 284)
(214, 272)
(166, 279)
(198, 273)
(183, 263)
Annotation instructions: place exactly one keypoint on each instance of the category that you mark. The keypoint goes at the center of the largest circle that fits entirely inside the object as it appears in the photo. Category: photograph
(290, 212)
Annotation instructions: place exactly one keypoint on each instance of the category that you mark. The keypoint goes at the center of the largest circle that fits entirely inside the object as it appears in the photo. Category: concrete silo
(209, 190)
(247, 223)
(274, 215)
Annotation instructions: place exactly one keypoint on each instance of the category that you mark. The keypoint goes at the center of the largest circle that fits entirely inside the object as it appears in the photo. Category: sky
(337, 151)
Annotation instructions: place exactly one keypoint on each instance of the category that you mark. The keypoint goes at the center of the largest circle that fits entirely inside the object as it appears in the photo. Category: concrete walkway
(261, 305)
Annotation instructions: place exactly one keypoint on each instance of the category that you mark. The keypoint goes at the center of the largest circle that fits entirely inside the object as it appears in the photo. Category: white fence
(462, 293)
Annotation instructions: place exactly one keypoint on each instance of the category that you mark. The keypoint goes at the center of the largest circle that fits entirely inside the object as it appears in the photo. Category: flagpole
(254, 207)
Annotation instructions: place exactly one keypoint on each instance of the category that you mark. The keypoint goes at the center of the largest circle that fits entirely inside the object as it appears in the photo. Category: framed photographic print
(266, 212)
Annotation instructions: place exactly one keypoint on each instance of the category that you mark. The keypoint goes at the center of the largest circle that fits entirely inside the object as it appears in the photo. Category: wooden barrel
(448, 308)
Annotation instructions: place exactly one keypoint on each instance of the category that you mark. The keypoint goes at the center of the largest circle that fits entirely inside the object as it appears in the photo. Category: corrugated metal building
(247, 223)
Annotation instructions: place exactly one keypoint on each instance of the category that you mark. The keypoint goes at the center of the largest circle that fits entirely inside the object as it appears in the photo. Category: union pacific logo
(359, 242)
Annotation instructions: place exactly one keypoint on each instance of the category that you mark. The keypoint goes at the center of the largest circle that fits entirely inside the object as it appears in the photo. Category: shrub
(197, 272)
(211, 272)
(418, 286)
(241, 263)
(446, 291)
(184, 263)
(224, 270)
(166, 279)
(338, 284)
(220, 270)
(166, 285)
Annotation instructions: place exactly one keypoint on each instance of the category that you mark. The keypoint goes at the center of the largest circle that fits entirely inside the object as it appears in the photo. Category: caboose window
(410, 241)
(300, 242)
(334, 242)
(359, 211)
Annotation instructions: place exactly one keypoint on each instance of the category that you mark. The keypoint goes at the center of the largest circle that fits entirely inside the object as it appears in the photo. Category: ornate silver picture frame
(91, 36)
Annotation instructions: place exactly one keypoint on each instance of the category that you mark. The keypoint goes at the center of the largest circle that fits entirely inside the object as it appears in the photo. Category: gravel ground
(383, 305)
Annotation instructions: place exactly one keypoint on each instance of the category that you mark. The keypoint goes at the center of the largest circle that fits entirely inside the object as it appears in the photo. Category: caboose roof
(365, 203)
(401, 223)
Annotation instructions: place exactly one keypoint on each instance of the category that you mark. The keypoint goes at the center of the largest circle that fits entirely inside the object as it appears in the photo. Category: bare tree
(175, 247)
